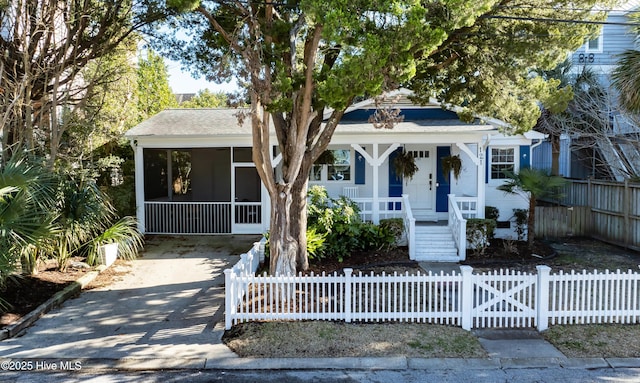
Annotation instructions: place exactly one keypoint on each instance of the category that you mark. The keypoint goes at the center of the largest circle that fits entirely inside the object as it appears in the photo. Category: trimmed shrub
(479, 233)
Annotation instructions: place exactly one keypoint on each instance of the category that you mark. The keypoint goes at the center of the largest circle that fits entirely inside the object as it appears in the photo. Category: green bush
(393, 227)
(339, 219)
(335, 230)
(315, 242)
(520, 217)
(479, 233)
(491, 212)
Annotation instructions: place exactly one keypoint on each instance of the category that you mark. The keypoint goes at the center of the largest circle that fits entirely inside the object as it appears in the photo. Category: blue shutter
(443, 187)
(360, 169)
(395, 182)
(525, 156)
(486, 166)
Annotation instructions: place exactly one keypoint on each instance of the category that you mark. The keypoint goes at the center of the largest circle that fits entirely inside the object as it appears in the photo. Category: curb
(299, 364)
(56, 300)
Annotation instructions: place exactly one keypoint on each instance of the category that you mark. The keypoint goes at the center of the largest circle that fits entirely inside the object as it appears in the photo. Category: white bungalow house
(194, 174)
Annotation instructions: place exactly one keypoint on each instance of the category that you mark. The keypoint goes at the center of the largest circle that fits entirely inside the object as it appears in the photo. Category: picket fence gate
(503, 299)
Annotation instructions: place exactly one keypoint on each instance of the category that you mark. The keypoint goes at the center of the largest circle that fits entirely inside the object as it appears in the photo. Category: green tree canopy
(304, 63)
(46, 47)
(154, 93)
(205, 99)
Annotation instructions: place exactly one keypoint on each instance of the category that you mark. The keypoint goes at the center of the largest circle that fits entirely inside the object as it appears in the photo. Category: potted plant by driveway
(122, 239)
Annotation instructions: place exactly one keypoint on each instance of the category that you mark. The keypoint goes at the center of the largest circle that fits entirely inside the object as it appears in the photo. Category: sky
(182, 82)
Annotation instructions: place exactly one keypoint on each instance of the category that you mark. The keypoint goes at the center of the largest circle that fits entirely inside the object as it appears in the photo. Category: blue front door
(395, 181)
(443, 188)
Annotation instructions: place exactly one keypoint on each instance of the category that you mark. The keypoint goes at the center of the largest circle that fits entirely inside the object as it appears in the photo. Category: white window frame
(324, 171)
(599, 49)
(491, 163)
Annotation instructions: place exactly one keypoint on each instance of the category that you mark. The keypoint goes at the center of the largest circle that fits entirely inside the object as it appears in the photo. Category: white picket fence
(504, 299)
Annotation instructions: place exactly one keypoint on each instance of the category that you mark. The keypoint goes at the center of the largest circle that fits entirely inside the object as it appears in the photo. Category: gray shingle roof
(223, 122)
(192, 122)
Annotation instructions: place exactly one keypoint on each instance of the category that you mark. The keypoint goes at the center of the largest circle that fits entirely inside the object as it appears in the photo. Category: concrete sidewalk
(168, 314)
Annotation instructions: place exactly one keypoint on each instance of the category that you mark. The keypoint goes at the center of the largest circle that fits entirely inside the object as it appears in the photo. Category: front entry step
(435, 244)
(424, 215)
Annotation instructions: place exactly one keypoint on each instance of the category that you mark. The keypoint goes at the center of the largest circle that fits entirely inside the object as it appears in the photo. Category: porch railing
(409, 226)
(248, 212)
(187, 217)
(458, 226)
(468, 206)
(387, 207)
(173, 217)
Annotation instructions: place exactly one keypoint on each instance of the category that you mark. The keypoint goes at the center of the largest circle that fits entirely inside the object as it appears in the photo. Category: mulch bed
(25, 293)
(364, 261)
(500, 253)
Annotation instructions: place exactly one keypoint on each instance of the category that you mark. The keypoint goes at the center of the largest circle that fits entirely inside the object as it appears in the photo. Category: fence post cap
(228, 271)
(543, 268)
(466, 268)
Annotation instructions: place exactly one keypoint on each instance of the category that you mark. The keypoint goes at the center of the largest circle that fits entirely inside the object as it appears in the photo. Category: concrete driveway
(166, 307)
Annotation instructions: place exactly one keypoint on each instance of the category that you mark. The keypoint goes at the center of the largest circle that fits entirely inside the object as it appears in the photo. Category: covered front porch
(193, 190)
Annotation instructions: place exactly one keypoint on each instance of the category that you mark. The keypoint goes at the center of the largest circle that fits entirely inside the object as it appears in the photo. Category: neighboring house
(616, 154)
(195, 175)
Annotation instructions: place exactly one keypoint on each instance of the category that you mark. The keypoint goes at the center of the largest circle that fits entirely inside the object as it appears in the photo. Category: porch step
(436, 244)
(426, 215)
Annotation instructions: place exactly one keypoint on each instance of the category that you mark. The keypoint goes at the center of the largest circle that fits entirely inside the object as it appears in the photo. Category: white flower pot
(108, 253)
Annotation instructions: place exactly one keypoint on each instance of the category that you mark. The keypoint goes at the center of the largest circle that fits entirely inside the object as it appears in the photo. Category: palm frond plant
(626, 75)
(82, 211)
(87, 220)
(26, 204)
(533, 185)
(124, 233)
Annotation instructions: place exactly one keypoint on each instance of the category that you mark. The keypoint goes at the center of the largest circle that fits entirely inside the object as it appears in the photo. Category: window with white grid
(502, 160)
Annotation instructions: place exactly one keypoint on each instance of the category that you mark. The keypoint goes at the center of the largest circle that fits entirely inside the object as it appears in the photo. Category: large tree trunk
(299, 194)
(555, 154)
(287, 236)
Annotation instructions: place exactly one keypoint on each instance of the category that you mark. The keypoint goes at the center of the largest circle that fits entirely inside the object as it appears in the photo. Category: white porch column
(481, 180)
(375, 208)
(479, 160)
(139, 183)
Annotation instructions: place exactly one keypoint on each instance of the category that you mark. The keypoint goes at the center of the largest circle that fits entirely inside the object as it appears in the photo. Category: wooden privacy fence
(606, 210)
(562, 221)
(499, 299)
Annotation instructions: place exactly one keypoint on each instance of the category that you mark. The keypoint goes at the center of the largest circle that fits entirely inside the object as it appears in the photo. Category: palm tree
(626, 76)
(626, 79)
(533, 184)
(26, 205)
(87, 219)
